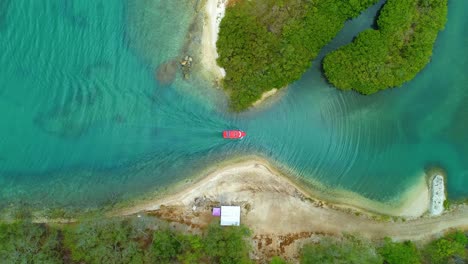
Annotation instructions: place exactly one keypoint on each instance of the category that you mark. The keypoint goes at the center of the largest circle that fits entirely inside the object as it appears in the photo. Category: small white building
(230, 215)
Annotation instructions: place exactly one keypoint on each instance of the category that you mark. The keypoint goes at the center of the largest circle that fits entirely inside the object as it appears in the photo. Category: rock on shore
(437, 195)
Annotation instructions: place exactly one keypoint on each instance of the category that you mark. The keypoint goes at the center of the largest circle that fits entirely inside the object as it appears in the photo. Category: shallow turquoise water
(85, 122)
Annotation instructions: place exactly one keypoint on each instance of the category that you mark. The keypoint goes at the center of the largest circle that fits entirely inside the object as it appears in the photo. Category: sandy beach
(214, 10)
(214, 13)
(413, 203)
(265, 96)
(283, 216)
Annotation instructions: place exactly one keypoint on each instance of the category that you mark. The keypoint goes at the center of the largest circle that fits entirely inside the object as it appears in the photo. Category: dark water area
(86, 122)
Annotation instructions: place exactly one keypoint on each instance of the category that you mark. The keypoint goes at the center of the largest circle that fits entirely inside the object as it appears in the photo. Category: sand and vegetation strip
(280, 221)
(148, 239)
(214, 10)
(265, 194)
(226, 181)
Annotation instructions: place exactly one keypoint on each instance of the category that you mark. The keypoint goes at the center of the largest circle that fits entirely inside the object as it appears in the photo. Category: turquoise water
(85, 122)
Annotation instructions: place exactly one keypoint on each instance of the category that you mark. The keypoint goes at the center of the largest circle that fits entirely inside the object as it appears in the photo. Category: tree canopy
(125, 241)
(399, 253)
(448, 247)
(393, 54)
(149, 240)
(226, 245)
(268, 44)
(348, 250)
(23, 242)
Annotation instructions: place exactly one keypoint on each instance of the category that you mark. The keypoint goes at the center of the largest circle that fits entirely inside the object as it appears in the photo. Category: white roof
(230, 215)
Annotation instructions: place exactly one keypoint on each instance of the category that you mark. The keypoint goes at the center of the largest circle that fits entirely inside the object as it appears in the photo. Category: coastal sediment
(215, 10)
(412, 204)
(280, 211)
(265, 96)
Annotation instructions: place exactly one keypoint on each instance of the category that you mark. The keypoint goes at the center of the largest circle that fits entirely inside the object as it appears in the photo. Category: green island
(148, 240)
(393, 54)
(269, 44)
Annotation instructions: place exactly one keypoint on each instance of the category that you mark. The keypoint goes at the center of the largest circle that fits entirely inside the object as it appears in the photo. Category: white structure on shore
(437, 195)
(230, 215)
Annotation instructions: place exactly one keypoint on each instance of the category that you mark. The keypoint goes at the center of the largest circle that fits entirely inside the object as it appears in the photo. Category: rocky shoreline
(437, 195)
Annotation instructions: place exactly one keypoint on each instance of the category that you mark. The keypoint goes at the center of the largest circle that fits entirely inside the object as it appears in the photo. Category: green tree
(191, 249)
(399, 253)
(165, 247)
(104, 241)
(447, 247)
(277, 260)
(349, 250)
(227, 245)
(393, 54)
(270, 43)
(24, 242)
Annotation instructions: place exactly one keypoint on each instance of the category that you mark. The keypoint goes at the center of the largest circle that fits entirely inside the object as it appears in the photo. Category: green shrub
(270, 43)
(227, 245)
(165, 246)
(349, 250)
(23, 242)
(447, 247)
(104, 241)
(399, 253)
(191, 249)
(170, 247)
(277, 260)
(393, 54)
(447, 204)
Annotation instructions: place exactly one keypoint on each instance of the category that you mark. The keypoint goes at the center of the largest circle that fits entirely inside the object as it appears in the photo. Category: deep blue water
(84, 120)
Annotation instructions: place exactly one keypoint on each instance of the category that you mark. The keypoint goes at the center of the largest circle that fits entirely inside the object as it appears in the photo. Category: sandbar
(280, 212)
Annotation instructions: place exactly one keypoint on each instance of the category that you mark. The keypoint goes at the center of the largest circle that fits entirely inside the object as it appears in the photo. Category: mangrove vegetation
(147, 239)
(268, 44)
(121, 240)
(392, 54)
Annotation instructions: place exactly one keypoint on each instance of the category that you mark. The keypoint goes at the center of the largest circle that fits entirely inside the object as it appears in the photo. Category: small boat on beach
(233, 134)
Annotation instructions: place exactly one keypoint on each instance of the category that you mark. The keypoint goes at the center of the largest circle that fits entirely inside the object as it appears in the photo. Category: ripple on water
(87, 121)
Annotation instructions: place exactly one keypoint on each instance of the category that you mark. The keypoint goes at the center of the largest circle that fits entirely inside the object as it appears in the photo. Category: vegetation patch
(150, 240)
(448, 249)
(268, 44)
(393, 54)
(399, 253)
(451, 248)
(349, 249)
(23, 242)
(121, 240)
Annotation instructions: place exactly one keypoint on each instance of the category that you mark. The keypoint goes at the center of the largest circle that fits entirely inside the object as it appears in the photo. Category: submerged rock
(166, 72)
(186, 64)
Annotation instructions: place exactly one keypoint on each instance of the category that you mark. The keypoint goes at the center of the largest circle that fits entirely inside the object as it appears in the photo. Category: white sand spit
(215, 10)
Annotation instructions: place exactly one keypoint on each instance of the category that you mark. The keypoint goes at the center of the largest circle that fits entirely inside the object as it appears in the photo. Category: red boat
(233, 134)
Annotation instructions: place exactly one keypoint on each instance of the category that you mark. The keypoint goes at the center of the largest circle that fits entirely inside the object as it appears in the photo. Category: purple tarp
(216, 211)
